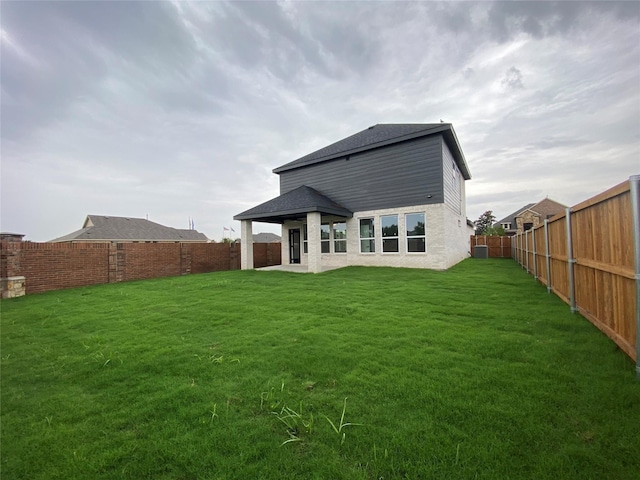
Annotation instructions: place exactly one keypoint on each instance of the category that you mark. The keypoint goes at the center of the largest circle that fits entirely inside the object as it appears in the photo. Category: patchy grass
(355, 373)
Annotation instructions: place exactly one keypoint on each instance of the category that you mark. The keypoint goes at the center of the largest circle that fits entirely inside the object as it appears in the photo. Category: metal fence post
(570, 261)
(535, 262)
(526, 247)
(635, 208)
(546, 248)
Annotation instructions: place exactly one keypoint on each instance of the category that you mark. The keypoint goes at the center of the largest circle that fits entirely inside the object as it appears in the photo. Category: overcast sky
(181, 110)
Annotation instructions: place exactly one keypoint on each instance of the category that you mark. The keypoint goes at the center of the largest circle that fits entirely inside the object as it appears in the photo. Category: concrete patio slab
(295, 268)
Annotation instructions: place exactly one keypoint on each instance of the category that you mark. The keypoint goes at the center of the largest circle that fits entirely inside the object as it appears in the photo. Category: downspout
(570, 262)
(548, 259)
(635, 209)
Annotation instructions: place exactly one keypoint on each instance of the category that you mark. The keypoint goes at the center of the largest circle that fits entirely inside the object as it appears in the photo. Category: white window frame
(409, 237)
(397, 237)
(337, 240)
(305, 239)
(325, 241)
(361, 238)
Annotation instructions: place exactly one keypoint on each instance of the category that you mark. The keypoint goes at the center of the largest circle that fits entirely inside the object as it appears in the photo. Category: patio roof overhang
(294, 205)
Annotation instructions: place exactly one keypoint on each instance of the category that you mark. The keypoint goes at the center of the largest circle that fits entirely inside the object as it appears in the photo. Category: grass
(355, 373)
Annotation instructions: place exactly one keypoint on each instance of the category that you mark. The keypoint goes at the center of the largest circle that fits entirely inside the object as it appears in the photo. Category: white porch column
(314, 259)
(246, 245)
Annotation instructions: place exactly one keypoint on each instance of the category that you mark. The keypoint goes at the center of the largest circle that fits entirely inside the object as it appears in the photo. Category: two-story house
(390, 195)
(530, 216)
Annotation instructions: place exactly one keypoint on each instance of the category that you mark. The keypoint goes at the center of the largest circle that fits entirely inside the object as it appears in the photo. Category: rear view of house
(390, 195)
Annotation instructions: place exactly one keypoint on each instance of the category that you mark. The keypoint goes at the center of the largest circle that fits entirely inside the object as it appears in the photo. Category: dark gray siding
(397, 175)
(451, 179)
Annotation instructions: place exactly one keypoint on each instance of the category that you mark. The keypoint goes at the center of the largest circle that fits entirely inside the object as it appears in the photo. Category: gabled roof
(381, 135)
(512, 218)
(266, 237)
(294, 204)
(127, 229)
(546, 208)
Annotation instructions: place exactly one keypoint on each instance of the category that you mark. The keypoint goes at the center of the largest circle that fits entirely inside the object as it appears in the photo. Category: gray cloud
(539, 19)
(72, 47)
(512, 79)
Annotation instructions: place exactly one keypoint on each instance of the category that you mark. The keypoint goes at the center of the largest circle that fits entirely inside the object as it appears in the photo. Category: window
(528, 226)
(367, 236)
(415, 232)
(389, 224)
(340, 237)
(325, 234)
(305, 239)
(506, 225)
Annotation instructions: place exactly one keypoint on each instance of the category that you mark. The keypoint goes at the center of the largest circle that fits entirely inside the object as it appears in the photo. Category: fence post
(546, 248)
(570, 262)
(535, 261)
(501, 247)
(635, 208)
(526, 248)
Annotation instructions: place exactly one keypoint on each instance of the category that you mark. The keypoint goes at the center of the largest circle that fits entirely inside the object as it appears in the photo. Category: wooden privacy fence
(498, 247)
(590, 257)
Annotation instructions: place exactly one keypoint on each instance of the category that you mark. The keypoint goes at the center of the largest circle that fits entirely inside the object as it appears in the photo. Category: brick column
(185, 259)
(13, 283)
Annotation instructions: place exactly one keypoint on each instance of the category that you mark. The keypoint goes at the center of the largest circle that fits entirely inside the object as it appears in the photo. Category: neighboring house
(391, 195)
(530, 216)
(266, 237)
(99, 228)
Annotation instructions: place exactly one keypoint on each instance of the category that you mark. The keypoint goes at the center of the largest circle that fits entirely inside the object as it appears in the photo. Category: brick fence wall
(54, 266)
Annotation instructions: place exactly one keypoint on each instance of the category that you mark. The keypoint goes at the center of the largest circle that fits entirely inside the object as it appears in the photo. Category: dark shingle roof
(107, 228)
(512, 218)
(381, 135)
(294, 204)
(546, 208)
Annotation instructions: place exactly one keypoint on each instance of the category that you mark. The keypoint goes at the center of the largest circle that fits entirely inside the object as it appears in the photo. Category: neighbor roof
(128, 229)
(294, 204)
(546, 208)
(381, 135)
(512, 218)
(266, 237)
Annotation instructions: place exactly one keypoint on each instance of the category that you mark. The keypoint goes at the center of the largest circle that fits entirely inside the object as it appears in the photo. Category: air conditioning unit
(481, 251)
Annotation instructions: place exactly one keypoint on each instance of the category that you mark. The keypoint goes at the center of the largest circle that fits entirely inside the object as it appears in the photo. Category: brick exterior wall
(55, 266)
(447, 240)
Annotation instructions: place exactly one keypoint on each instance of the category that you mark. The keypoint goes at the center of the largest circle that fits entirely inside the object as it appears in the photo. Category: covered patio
(303, 204)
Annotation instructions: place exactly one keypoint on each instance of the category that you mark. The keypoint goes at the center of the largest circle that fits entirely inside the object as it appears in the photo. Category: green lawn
(471, 373)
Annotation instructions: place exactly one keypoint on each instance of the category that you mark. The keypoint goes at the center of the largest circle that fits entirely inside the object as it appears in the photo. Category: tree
(496, 231)
(484, 223)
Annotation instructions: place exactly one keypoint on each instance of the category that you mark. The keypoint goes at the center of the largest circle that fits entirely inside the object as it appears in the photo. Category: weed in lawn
(295, 422)
(342, 423)
(213, 411)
